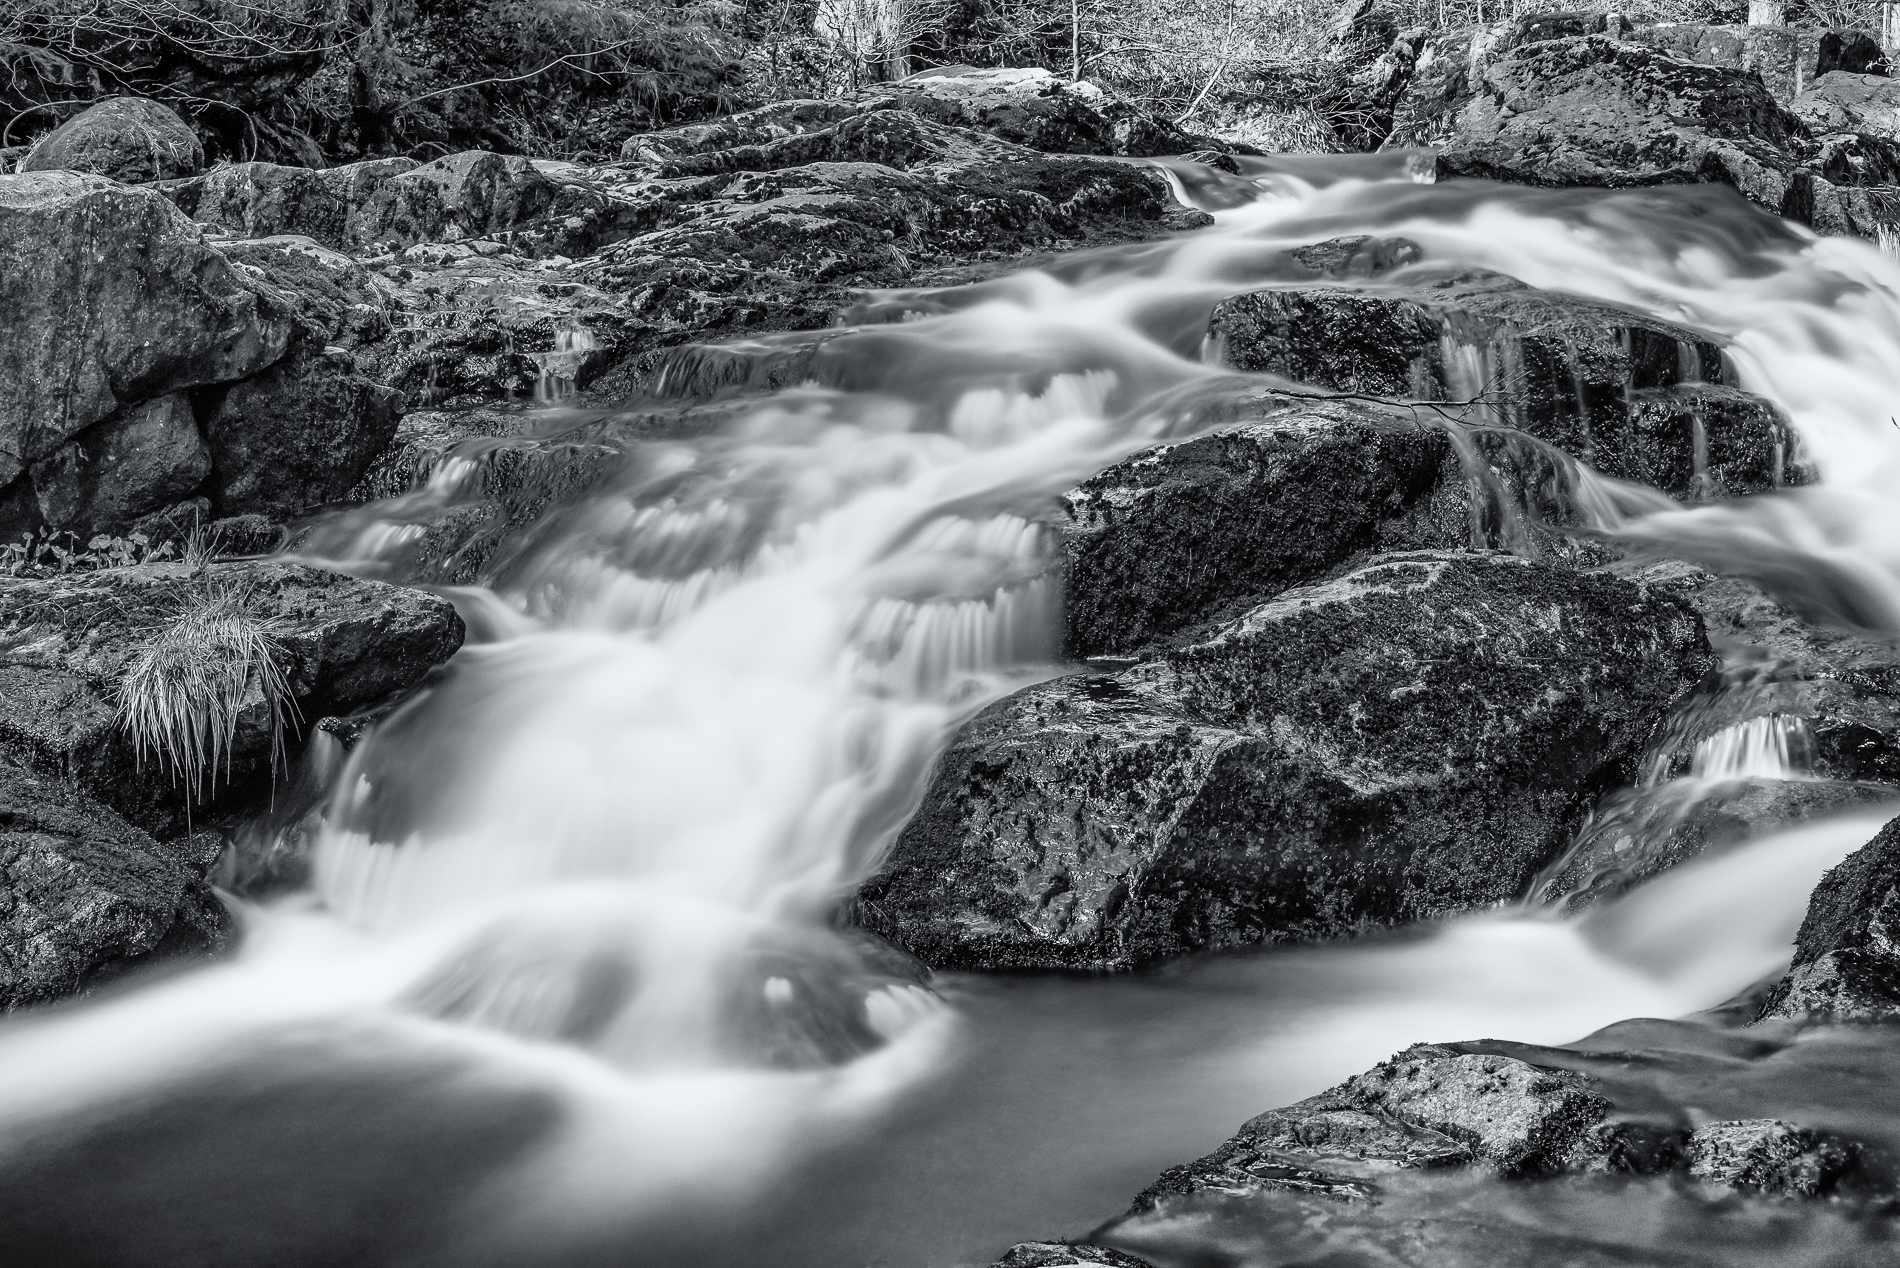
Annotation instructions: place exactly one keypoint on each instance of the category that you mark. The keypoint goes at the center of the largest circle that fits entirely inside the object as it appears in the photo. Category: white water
(600, 857)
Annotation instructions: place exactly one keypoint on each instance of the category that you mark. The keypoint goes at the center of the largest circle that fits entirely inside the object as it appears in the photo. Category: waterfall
(601, 856)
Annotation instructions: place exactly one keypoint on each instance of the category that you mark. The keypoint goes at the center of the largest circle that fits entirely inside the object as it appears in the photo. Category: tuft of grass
(181, 697)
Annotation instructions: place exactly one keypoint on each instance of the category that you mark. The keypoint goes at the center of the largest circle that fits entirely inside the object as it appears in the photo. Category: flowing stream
(564, 988)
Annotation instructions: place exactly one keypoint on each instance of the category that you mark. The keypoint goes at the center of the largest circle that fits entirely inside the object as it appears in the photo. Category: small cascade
(1773, 747)
(561, 366)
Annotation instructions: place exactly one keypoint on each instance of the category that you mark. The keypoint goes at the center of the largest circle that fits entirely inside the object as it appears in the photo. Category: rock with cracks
(1415, 738)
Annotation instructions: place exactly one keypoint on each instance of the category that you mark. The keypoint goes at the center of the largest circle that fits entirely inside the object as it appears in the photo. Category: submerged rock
(1769, 1155)
(1847, 955)
(126, 138)
(66, 642)
(84, 895)
(1415, 738)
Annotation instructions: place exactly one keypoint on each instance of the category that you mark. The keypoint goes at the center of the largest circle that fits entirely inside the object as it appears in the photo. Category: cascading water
(565, 983)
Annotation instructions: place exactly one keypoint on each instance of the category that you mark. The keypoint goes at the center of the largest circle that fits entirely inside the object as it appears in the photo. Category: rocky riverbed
(1363, 626)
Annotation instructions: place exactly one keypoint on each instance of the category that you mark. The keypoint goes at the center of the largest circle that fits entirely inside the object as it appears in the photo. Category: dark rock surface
(1066, 1255)
(91, 331)
(66, 641)
(1847, 955)
(297, 436)
(1635, 398)
(84, 895)
(1415, 738)
(1598, 111)
(261, 200)
(143, 459)
(126, 138)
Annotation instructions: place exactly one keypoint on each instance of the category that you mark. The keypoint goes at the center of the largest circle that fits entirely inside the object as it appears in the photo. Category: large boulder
(84, 895)
(1847, 955)
(297, 436)
(143, 459)
(1415, 738)
(126, 138)
(466, 195)
(110, 298)
(68, 640)
(1602, 112)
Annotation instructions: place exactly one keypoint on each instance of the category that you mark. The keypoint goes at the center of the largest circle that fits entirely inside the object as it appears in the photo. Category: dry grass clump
(183, 694)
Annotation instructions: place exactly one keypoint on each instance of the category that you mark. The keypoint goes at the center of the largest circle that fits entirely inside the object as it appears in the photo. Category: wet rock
(1769, 1155)
(125, 138)
(85, 333)
(1427, 1107)
(262, 200)
(84, 895)
(1066, 1255)
(1170, 537)
(1792, 659)
(1847, 955)
(1417, 737)
(1596, 111)
(66, 641)
(1640, 833)
(1637, 399)
(114, 473)
(297, 436)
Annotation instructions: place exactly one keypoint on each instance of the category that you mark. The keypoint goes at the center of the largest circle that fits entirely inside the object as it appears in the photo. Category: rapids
(564, 989)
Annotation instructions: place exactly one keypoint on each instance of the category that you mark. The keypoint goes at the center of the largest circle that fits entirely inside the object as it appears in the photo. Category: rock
(1847, 955)
(125, 138)
(1841, 101)
(1637, 399)
(466, 195)
(1415, 738)
(337, 301)
(1600, 112)
(1794, 660)
(1168, 538)
(66, 641)
(85, 333)
(263, 200)
(1769, 1155)
(84, 895)
(1427, 1107)
(1849, 52)
(297, 436)
(114, 473)
(1640, 833)
(1066, 1255)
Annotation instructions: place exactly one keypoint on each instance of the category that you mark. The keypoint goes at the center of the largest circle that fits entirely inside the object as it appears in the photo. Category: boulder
(84, 895)
(1170, 537)
(297, 436)
(125, 138)
(66, 642)
(1842, 101)
(1847, 955)
(1415, 738)
(337, 301)
(262, 200)
(110, 298)
(1429, 1106)
(1601, 112)
(143, 459)
(1635, 398)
